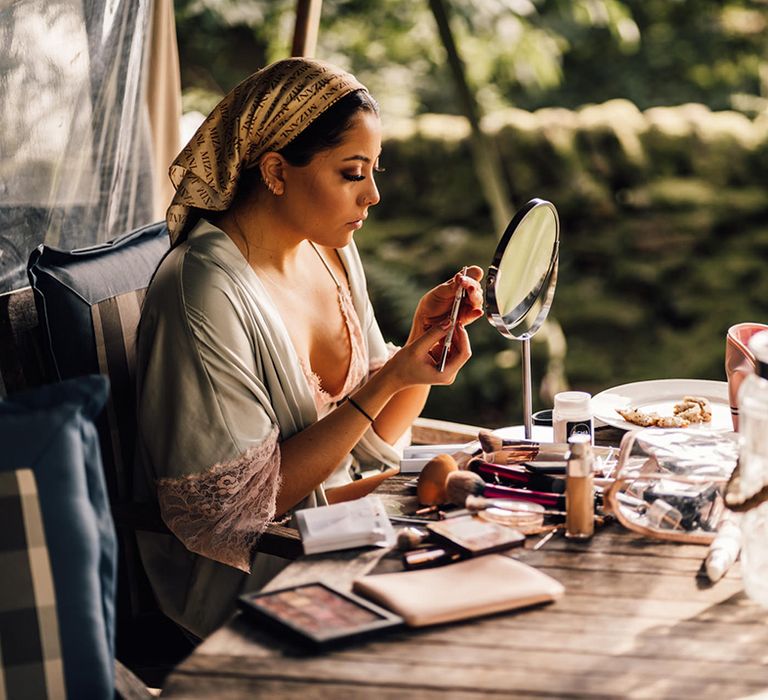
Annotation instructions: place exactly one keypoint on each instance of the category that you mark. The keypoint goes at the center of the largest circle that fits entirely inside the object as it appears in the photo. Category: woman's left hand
(434, 308)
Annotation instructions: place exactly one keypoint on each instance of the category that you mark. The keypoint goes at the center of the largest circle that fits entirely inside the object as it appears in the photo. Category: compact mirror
(520, 284)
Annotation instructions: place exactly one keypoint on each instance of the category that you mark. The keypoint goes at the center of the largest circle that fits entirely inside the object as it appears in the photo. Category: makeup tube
(579, 495)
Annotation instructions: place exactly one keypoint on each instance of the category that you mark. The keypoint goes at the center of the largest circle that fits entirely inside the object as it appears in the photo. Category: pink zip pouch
(739, 361)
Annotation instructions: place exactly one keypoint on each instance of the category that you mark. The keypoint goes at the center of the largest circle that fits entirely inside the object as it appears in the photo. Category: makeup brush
(475, 504)
(528, 449)
(460, 484)
(515, 476)
(454, 317)
(525, 456)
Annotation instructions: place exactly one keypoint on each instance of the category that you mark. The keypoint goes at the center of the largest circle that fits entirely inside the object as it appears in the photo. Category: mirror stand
(527, 389)
(520, 284)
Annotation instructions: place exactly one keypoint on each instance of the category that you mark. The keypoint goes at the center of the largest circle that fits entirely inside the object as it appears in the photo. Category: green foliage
(221, 42)
(604, 107)
(531, 53)
(663, 246)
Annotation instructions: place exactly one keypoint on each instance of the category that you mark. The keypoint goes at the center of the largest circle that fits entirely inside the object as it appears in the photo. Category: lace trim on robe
(221, 512)
(357, 364)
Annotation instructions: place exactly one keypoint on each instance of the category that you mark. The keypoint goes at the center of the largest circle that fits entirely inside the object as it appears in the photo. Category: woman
(264, 383)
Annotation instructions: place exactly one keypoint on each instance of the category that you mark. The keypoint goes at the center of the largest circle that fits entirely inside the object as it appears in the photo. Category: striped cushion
(115, 323)
(22, 363)
(115, 326)
(88, 301)
(30, 652)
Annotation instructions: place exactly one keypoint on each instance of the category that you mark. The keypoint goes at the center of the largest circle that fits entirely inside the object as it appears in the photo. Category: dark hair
(328, 129)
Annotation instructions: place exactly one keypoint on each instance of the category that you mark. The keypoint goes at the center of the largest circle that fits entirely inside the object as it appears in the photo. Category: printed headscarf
(263, 113)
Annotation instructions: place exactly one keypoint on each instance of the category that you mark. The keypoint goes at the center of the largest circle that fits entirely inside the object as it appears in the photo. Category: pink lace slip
(357, 364)
(221, 512)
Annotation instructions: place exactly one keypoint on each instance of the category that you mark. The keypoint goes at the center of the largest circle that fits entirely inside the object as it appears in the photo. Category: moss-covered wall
(664, 218)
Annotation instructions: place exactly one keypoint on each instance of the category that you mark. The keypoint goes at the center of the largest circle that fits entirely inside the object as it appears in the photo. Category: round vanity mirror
(520, 283)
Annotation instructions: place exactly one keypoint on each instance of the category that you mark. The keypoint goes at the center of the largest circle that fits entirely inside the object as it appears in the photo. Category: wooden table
(636, 621)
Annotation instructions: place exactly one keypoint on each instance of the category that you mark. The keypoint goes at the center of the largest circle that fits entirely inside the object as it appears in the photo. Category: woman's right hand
(417, 362)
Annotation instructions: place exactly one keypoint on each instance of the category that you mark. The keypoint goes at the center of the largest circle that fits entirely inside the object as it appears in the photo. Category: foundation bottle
(579, 492)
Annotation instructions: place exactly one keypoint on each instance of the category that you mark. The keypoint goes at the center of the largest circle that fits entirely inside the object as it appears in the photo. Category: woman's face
(327, 200)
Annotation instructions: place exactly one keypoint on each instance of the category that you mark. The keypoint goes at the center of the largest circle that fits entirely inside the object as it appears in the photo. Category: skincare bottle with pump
(579, 496)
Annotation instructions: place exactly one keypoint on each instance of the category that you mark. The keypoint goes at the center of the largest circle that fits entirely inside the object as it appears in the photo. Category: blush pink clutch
(739, 361)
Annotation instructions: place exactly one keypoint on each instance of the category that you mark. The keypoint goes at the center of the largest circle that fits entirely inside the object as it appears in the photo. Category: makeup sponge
(430, 487)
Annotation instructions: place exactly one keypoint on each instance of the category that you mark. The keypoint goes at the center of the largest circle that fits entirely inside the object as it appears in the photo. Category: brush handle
(511, 476)
(548, 500)
(551, 451)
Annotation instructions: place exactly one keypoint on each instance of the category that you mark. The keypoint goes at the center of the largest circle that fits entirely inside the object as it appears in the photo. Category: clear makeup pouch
(669, 484)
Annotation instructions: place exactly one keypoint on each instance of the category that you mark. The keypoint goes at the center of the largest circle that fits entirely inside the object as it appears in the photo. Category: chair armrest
(281, 541)
(429, 431)
(128, 686)
(145, 517)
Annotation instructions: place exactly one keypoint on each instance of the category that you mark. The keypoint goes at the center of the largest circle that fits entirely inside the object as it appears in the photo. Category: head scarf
(263, 113)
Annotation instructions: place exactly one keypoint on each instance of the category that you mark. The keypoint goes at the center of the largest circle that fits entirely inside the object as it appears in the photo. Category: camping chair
(88, 303)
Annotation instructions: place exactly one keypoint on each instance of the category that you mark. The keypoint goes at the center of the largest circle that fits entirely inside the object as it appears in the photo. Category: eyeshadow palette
(473, 536)
(317, 614)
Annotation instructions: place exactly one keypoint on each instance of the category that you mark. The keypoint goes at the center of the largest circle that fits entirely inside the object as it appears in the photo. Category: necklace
(261, 270)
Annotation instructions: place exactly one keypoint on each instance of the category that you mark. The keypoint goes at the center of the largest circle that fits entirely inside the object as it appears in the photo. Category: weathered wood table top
(636, 622)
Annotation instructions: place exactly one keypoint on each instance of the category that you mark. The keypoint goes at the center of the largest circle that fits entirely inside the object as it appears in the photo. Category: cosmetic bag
(739, 361)
(470, 588)
(669, 484)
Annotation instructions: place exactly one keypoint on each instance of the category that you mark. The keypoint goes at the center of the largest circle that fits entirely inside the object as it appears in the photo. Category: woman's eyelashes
(357, 177)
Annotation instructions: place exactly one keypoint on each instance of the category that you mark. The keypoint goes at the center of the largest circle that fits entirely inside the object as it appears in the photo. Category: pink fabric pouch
(739, 361)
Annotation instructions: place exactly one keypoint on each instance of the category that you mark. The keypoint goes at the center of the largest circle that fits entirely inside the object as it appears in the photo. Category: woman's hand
(416, 363)
(435, 306)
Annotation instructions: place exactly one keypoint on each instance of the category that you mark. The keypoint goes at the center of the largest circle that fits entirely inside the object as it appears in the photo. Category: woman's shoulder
(204, 268)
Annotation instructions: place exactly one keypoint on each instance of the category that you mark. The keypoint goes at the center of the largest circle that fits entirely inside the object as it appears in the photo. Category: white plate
(540, 433)
(660, 396)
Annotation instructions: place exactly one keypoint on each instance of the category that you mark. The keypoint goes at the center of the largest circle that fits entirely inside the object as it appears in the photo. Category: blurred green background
(644, 121)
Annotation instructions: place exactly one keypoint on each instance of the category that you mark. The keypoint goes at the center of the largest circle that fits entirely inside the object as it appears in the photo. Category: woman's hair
(327, 131)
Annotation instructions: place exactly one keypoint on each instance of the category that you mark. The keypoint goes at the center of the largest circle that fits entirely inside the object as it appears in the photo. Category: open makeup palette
(318, 615)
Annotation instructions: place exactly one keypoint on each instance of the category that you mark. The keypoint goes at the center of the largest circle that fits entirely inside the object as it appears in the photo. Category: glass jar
(572, 415)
